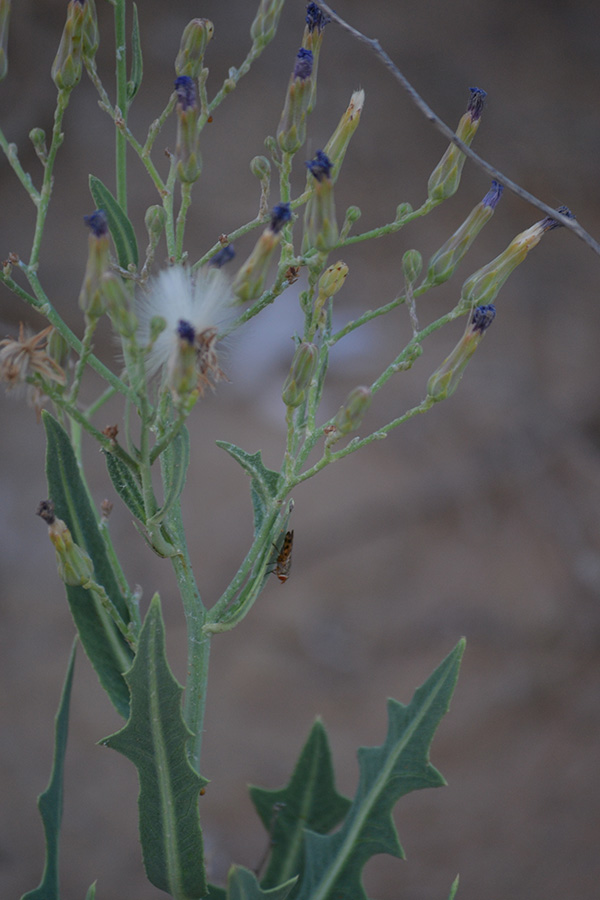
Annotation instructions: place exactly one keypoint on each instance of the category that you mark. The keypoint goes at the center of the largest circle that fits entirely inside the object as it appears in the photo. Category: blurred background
(479, 519)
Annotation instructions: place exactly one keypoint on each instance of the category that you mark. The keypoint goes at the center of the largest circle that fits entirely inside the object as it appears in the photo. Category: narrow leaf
(90, 894)
(137, 65)
(334, 863)
(242, 885)
(265, 482)
(175, 460)
(155, 739)
(310, 800)
(126, 485)
(120, 227)
(50, 803)
(106, 648)
(453, 889)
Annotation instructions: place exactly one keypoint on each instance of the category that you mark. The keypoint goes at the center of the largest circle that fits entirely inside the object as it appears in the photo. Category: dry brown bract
(20, 358)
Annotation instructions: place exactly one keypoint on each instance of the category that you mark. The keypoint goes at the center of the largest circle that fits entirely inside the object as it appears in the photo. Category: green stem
(42, 210)
(186, 199)
(10, 151)
(122, 103)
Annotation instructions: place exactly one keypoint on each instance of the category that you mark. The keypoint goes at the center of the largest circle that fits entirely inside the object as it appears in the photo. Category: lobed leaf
(310, 800)
(333, 863)
(106, 648)
(154, 739)
(243, 885)
(119, 225)
(50, 802)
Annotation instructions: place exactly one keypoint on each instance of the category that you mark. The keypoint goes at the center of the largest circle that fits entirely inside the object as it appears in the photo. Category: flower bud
(4, 19)
(445, 178)
(443, 263)
(350, 415)
(154, 221)
(265, 22)
(75, 567)
(250, 280)
(320, 225)
(316, 20)
(291, 131)
(91, 297)
(260, 167)
(182, 376)
(331, 281)
(412, 263)
(192, 47)
(445, 379)
(57, 348)
(66, 68)
(300, 374)
(91, 35)
(336, 146)
(189, 161)
(118, 303)
(483, 286)
(37, 136)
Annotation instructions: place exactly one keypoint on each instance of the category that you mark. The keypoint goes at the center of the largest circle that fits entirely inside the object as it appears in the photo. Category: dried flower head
(25, 356)
(192, 305)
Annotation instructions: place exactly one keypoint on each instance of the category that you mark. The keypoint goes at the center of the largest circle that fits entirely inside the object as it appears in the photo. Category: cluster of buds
(445, 379)
(75, 567)
(291, 131)
(265, 22)
(483, 286)
(79, 41)
(445, 178)
(192, 48)
(320, 225)
(250, 280)
(189, 161)
(443, 263)
(4, 19)
(349, 415)
(300, 375)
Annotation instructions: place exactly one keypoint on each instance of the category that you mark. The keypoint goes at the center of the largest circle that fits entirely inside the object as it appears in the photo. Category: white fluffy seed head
(203, 299)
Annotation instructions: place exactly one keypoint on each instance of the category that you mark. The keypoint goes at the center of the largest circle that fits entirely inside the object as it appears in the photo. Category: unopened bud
(265, 22)
(250, 280)
(445, 178)
(331, 281)
(4, 19)
(118, 304)
(350, 415)
(189, 161)
(91, 298)
(75, 567)
(320, 225)
(443, 263)
(155, 220)
(57, 347)
(483, 286)
(445, 379)
(91, 35)
(291, 131)
(336, 146)
(412, 263)
(192, 47)
(300, 374)
(260, 167)
(37, 136)
(66, 68)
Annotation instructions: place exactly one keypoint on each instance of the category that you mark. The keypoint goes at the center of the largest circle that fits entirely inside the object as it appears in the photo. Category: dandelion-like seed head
(193, 305)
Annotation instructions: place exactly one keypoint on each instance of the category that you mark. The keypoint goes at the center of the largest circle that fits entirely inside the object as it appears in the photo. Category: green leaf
(137, 65)
(242, 885)
(90, 894)
(106, 648)
(265, 482)
(155, 739)
(334, 863)
(310, 800)
(120, 227)
(126, 485)
(50, 803)
(174, 460)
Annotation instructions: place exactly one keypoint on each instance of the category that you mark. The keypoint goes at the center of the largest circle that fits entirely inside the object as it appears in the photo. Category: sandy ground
(479, 519)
